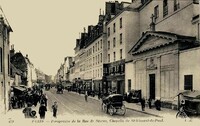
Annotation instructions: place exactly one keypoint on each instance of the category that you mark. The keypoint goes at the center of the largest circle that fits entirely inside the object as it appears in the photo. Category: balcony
(114, 68)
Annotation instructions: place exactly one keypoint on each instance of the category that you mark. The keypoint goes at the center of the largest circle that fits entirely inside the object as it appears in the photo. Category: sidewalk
(165, 112)
(18, 114)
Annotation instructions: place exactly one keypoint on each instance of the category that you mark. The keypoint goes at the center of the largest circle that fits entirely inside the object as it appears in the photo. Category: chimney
(1, 19)
(84, 30)
(12, 51)
(26, 55)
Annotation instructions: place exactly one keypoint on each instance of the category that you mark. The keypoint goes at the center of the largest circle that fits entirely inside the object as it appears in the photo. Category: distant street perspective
(126, 59)
(74, 103)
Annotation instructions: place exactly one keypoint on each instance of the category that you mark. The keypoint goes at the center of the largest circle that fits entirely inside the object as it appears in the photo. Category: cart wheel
(111, 110)
(105, 108)
(123, 110)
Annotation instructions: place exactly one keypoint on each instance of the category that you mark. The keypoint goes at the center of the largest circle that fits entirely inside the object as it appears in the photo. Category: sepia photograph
(99, 62)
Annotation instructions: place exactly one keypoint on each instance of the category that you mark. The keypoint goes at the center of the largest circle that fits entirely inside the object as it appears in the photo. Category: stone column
(144, 87)
(158, 78)
(134, 75)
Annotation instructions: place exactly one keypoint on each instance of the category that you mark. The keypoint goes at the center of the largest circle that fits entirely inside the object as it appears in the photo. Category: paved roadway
(73, 103)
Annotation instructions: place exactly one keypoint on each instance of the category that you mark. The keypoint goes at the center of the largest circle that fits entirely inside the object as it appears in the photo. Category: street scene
(115, 61)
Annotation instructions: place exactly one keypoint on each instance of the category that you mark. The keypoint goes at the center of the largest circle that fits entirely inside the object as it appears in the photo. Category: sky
(47, 30)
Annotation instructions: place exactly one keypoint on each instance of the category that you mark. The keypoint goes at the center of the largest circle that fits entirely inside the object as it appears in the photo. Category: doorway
(152, 86)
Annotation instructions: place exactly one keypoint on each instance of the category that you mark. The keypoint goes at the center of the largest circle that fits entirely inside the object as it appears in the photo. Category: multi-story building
(15, 74)
(5, 30)
(118, 42)
(22, 63)
(94, 55)
(71, 72)
(169, 32)
(67, 63)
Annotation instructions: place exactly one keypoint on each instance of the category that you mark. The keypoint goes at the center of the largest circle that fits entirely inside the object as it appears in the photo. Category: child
(55, 108)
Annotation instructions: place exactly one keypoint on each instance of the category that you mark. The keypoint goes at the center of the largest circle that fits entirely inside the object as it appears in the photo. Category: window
(98, 45)
(188, 82)
(129, 84)
(108, 58)
(114, 42)
(100, 71)
(120, 53)
(93, 49)
(120, 22)
(98, 58)
(120, 36)
(114, 56)
(156, 12)
(165, 8)
(108, 32)
(1, 58)
(101, 44)
(8, 64)
(93, 61)
(114, 28)
(101, 57)
(176, 5)
(108, 45)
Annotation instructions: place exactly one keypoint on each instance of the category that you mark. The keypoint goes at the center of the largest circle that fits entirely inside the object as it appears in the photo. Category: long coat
(42, 110)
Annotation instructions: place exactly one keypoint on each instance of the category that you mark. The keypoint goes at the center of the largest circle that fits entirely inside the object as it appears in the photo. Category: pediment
(152, 42)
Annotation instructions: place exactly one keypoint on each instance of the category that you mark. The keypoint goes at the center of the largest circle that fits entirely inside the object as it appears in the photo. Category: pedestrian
(45, 99)
(142, 104)
(99, 95)
(158, 104)
(150, 102)
(86, 95)
(42, 99)
(79, 90)
(42, 111)
(54, 108)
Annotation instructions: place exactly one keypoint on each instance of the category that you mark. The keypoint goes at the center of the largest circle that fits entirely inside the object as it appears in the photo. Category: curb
(144, 112)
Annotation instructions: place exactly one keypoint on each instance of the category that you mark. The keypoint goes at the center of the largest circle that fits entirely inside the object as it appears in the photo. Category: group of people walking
(157, 104)
(29, 113)
(30, 98)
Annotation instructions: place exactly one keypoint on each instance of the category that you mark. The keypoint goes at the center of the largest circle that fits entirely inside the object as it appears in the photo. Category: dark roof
(18, 61)
(15, 70)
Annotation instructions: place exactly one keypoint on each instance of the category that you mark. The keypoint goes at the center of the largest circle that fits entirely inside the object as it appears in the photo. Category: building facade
(157, 65)
(118, 42)
(5, 30)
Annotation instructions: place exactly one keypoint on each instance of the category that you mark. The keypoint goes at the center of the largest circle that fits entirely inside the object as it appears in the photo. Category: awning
(19, 88)
(191, 94)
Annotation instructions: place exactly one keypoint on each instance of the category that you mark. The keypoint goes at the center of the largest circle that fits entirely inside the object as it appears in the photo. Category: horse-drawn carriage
(113, 104)
(60, 89)
(189, 103)
(47, 87)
